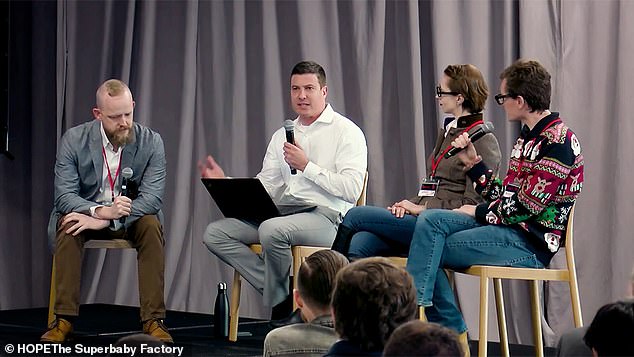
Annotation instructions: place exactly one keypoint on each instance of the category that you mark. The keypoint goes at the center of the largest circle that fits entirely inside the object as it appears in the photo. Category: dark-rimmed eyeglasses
(440, 93)
(499, 98)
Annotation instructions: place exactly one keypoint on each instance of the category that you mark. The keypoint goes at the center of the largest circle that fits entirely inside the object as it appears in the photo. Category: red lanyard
(110, 179)
(521, 162)
(436, 162)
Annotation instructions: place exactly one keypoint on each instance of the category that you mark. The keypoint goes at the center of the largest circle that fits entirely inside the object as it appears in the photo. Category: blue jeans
(448, 239)
(378, 232)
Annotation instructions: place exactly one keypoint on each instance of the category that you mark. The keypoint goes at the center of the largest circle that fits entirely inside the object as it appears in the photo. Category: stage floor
(102, 325)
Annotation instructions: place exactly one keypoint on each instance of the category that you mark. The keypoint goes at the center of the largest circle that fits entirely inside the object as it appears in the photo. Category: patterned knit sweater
(543, 181)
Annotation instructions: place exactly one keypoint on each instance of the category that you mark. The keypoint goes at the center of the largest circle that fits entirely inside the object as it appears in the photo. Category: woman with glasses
(375, 231)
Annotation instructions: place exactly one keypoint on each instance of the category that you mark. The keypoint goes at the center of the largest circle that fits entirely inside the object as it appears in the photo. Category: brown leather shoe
(58, 331)
(156, 328)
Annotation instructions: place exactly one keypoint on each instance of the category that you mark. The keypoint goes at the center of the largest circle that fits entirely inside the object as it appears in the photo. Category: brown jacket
(456, 188)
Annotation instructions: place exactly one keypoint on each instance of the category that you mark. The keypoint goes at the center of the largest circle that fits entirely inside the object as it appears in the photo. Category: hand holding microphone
(126, 173)
(289, 126)
(461, 142)
(294, 155)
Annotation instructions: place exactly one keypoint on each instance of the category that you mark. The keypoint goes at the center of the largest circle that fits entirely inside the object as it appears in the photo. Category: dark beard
(119, 139)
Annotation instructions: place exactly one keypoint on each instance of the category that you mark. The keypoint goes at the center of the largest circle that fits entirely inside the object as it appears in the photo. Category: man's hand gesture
(210, 168)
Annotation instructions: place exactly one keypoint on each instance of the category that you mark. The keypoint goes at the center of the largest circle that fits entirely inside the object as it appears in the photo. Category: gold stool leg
(421, 313)
(484, 315)
(499, 304)
(235, 307)
(537, 322)
(52, 295)
(463, 338)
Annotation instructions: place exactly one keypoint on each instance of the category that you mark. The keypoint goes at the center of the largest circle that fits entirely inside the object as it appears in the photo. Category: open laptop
(246, 198)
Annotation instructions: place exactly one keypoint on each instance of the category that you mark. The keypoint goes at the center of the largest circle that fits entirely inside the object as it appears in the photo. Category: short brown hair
(529, 79)
(467, 80)
(112, 88)
(316, 277)
(310, 67)
(418, 338)
(372, 298)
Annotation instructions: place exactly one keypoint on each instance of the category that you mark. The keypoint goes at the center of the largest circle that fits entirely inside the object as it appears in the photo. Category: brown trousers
(146, 236)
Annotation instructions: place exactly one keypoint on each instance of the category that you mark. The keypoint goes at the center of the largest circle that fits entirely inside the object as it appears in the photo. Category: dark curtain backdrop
(212, 77)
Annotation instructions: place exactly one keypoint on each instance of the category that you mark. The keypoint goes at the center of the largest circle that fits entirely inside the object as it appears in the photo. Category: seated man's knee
(352, 215)
(148, 229)
(62, 228)
(271, 233)
(214, 234)
(149, 222)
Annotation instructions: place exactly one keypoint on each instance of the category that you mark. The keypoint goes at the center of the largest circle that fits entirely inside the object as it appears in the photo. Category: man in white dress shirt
(330, 156)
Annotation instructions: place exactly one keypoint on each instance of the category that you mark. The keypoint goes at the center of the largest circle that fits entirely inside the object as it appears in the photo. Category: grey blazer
(79, 168)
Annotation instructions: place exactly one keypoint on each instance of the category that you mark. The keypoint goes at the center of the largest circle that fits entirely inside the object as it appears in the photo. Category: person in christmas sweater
(523, 222)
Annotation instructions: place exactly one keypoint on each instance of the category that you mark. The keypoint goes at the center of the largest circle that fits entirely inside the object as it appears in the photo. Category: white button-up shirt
(113, 158)
(337, 153)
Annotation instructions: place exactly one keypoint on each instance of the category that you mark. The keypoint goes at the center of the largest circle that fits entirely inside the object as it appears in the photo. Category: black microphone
(290, 137)
(126, 174)
(480, 132)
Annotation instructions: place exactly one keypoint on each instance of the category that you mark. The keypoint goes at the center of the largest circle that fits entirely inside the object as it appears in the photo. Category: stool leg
(484, 315)
(298, 259)
(537, 322)
(235, 307)
(421, 313)
(576, 303)
(52, 295)
(499, 304)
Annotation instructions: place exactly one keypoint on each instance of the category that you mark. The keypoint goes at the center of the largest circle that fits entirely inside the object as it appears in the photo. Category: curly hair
(467, 80)
(530, 80)
(372, 297)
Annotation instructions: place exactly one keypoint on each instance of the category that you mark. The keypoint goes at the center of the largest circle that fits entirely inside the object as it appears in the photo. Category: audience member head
(315, 282)
(467, 82)
(530, 80)
(611, 332)
(372, 297)
(136, 341)
(418, 338)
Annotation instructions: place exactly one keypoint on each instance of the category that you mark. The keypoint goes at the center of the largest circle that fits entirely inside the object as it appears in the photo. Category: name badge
(428, 187)
(510, 190)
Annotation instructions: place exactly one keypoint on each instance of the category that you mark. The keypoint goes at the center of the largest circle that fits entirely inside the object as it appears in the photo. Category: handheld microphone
(290, 137)
(126, 173)
(480, 132)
